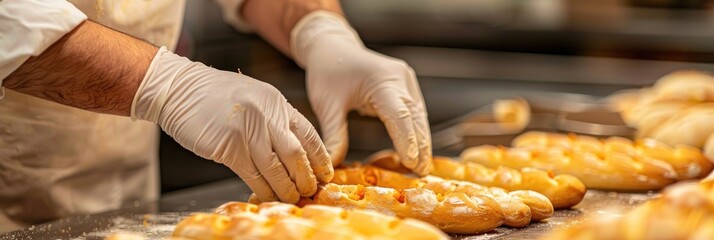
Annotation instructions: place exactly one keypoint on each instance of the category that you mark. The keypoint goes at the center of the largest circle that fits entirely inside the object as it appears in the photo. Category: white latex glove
(235, 120)
(343, 75)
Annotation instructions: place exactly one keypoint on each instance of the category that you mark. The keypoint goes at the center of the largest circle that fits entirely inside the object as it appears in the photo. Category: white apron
(57, 161)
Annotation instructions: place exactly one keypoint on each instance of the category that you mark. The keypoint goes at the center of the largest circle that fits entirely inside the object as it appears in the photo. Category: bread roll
(685, 211)
(688, 162)
(517, 212)
(237, 220)
(512, 115)
(452, 213)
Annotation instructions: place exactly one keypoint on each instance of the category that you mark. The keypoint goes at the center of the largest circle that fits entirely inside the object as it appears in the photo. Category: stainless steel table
(157, 219)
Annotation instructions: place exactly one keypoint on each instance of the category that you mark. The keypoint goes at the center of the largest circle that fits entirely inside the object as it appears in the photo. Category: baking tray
(156, 220)
(550, 112)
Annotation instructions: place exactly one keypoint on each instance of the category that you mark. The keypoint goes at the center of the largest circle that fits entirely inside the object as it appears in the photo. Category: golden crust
(518, 213)
(453, 213)
(615, 172)
(238, 220)
(562, 190)
(688, 162)
(685, 211)
(374, 176)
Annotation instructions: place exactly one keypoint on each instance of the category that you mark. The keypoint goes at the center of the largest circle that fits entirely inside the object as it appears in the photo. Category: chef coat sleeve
(232, 16)
(28, 27)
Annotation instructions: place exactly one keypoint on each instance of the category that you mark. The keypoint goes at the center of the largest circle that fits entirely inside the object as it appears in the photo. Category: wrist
(153, 91)
(317, 26)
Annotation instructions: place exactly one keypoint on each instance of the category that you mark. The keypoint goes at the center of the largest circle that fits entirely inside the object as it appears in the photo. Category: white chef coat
(56, 160)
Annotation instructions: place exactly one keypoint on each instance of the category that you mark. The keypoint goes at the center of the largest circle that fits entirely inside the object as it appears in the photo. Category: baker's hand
(235, 120)
(343, 75)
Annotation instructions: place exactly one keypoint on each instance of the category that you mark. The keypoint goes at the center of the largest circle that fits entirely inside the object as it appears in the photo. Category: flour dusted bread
(685, 211)
(452, 213)
(238, 220)
(519, 209)
(517, 212)
(688, 162)
(562, 190)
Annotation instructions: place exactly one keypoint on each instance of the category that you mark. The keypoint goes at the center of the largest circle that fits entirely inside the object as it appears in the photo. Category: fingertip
(291, 198)
(305, 180)
(324, 173)
(321, 161)
(424, 166)
(288, 194)
(327, 173)
(316, 151)
(409, 152)
(277, 178)
(261, 189)
(257, 183)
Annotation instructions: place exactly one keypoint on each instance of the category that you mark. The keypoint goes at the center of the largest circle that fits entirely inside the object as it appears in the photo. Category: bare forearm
(93, 68)
(274, 19)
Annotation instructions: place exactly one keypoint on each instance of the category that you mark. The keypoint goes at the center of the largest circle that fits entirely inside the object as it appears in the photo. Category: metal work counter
(157, 219)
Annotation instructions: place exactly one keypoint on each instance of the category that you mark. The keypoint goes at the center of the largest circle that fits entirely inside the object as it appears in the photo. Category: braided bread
(687, 162)
(238, 220)
(685, 211)
(519, 207)
(677, 110)
(452, 213)
(562, 190)
(611, 171)
(518, 212)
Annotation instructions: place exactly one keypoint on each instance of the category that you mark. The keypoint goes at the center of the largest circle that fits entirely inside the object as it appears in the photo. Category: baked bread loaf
(517, 212)
(562, 190)
(609, 171)
(685, 211)
(238, 220)
(519, 207)
(452, 213)
(688, 162)
(676, 110)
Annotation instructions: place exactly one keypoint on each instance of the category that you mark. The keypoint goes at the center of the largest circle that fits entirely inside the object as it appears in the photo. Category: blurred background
(562, 56)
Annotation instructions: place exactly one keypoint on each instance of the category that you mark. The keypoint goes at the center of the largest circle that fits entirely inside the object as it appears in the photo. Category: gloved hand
(343, 75)
(235, 120)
